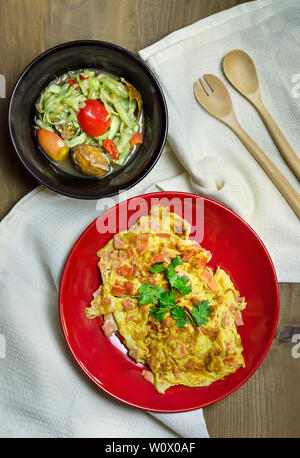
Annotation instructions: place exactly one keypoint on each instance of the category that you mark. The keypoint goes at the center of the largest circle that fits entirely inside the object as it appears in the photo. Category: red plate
(235, 247)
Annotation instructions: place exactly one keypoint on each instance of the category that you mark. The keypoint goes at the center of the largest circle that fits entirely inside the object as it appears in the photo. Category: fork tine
(208, 81)
(205, 86)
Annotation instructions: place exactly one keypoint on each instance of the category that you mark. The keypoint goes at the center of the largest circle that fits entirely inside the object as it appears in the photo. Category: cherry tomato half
(93, 118)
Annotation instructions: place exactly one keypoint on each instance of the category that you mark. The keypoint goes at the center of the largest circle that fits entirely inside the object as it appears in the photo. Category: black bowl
(77, 55)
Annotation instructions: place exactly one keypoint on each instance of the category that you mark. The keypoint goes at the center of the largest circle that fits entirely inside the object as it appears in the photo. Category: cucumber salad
(91, 119)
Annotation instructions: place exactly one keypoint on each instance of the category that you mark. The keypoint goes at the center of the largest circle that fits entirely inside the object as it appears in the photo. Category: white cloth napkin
(218, 165)
(43, 393)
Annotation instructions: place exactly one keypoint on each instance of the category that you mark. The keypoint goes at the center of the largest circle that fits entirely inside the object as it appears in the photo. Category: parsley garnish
(149, 294)
(157, 267)
(201, 312)
(176, 281)
(165, 301)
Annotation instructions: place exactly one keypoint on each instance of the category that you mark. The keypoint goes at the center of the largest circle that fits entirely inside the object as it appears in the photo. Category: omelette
(174, 314)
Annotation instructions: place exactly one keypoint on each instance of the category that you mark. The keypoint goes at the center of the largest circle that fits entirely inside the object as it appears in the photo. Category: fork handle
(279, 180)
(281, 142)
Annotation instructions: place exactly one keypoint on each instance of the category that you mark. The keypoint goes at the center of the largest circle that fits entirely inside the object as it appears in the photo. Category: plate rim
(137, 405)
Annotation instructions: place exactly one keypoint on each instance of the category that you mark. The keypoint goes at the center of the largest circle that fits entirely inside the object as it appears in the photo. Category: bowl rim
(144, 67)
(77, 359)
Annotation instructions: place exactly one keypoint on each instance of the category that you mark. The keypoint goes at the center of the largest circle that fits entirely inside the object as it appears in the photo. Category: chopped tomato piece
(136, 139)
(71, 82)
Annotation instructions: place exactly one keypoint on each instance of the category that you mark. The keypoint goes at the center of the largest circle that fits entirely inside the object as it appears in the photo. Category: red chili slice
(111, 149)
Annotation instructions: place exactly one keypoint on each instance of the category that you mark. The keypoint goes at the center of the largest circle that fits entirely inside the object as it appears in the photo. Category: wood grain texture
(268, 404)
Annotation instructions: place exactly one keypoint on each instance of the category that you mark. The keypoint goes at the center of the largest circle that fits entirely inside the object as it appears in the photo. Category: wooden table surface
(268, 405)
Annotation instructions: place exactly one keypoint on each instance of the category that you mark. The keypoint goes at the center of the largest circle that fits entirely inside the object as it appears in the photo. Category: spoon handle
(279, 180)
(281, 142)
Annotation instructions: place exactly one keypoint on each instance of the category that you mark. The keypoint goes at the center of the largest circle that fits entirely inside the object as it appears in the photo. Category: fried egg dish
(172, 312)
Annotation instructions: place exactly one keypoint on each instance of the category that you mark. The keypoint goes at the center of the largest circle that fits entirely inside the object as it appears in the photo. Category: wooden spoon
(240, 70)
(213, 96)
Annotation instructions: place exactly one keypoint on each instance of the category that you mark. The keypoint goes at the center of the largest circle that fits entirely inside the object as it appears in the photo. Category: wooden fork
(213, 96)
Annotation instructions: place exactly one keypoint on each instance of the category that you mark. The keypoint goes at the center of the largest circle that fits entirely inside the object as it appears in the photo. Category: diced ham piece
(226, 320)
(114, 255)
(127, 304)
(182, 350)
(106, 300)
(157, 258)
(206, 275)
(176, 372)
(168, 321)
(117, 290)
(134, 353)
(118, 242)
(130, 252)
(154, 225)
(125, 271)
(163, 236)
(201, 262)
(148, 376)
(130, 317)
(144, 238)
(109, 326)
(122, 256)
(238, 318)
(129, 287)
(141, 248)
(189, 364)
(188, 255)
(230, 362)
(98, 292)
